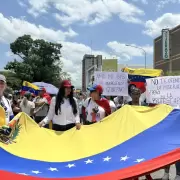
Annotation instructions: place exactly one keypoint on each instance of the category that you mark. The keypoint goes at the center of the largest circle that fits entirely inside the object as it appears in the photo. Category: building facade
(110, 65)
(173, 64)
(90, 64)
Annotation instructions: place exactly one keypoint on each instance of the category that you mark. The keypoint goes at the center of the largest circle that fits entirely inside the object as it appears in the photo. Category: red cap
(42, 89)
(66, 83)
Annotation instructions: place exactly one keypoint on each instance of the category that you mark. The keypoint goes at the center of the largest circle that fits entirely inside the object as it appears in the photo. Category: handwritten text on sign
(113, 83)
(163, 90)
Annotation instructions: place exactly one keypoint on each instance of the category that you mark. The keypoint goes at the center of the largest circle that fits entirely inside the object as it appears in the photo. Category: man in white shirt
(4, 102)
(26, 105)
(42, 107)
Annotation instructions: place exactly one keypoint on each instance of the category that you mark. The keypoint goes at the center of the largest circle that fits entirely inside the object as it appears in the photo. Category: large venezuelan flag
(2, 116)
(131, 142)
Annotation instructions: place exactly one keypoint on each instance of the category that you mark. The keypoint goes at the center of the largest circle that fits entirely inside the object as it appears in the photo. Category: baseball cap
(2, 78)
(96, 88)
(66, 83)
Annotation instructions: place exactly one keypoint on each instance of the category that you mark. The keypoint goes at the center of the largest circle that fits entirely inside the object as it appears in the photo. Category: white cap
(2, 78)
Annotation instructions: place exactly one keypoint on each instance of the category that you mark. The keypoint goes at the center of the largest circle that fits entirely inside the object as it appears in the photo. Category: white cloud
(126, 52)
(11, 28)
(87, 11)
(142, 1)
(72, 52)
(168, 20)
(21, 3)
(9, 54)
(72, 55)
(162, 3)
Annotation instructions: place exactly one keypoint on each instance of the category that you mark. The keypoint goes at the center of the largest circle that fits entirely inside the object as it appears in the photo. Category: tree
(38, 61)
(12, 80)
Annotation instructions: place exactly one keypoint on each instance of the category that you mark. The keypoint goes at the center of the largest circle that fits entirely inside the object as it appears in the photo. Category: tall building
(90, 63)
(173, 64)
(110, 65)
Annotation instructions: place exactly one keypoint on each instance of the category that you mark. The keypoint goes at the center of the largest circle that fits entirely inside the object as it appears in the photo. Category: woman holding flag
(63, 109)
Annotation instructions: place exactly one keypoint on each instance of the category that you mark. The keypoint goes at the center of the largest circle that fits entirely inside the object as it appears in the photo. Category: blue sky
(108, 24)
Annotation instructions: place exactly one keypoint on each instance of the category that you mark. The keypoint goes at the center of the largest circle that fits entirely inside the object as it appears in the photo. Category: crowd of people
(67, 110)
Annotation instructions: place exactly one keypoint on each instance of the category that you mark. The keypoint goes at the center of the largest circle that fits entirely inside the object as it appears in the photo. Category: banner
(109, 65)
(165, 44)
(144, 72)
(113, 83)
(163, 90)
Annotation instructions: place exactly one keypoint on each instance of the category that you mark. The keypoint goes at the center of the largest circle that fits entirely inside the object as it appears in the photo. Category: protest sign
(113, 83)
(163, 90)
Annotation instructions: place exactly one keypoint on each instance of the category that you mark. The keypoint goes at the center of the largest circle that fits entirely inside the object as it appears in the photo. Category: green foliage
(16, 131)
(39, 60)
(13, 82)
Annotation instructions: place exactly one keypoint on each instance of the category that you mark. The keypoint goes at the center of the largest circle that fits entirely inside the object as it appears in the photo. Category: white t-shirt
(27, 109)
(65, 117)
(44, 110)
(5, 103)
(90, 105)
(112, 106)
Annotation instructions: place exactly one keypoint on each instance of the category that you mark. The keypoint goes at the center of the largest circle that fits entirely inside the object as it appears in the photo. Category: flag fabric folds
(138, 76)
(139, 81)
(27, 86)
(131, 142)
(2, 116)
(144, 72)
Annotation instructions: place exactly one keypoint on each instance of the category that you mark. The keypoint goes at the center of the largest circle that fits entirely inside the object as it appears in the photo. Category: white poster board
(163, 90)
(113, 83)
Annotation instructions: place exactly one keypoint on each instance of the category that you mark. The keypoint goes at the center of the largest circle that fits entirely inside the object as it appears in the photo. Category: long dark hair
(59, 101)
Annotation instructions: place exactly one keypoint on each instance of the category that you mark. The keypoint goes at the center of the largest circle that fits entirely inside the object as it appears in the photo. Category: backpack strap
(89, 101)
(8, 101)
